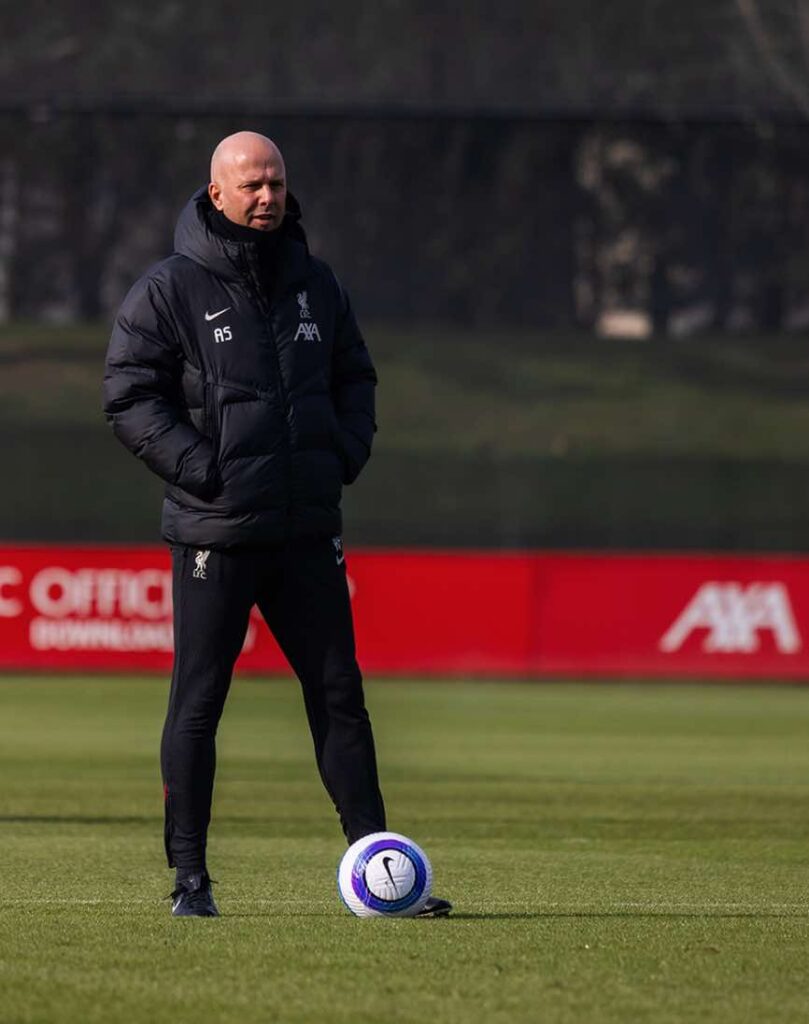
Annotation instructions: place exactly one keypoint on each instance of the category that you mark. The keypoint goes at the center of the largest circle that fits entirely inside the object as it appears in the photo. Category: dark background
(537, 183)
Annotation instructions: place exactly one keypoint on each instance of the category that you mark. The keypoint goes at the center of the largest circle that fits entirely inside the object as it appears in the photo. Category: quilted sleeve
(142, 397)
(353, 382)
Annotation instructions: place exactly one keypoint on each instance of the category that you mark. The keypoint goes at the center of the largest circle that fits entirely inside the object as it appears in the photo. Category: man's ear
(215, 192)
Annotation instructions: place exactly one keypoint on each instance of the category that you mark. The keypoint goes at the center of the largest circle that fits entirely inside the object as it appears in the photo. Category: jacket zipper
(285, 405)
(265, 311)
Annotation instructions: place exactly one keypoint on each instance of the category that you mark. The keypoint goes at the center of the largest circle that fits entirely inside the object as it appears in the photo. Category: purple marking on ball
(365, 895)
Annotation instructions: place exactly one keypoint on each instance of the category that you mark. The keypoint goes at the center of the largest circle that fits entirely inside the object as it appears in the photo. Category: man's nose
(265, 194)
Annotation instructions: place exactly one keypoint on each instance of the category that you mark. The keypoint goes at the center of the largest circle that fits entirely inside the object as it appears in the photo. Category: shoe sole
(440, 912)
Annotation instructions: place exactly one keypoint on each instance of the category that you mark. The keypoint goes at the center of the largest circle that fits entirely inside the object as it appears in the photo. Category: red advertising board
(447, 612)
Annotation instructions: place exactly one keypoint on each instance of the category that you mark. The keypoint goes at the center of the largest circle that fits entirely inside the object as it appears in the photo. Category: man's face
(250, 188)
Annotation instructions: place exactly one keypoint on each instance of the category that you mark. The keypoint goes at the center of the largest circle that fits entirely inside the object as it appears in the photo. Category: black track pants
(301, 591)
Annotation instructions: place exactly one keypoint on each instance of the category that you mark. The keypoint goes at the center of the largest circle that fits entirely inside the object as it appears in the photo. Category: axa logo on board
(734, 616)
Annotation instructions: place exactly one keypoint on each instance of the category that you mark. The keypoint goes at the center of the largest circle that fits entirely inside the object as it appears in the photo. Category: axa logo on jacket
(308, 332)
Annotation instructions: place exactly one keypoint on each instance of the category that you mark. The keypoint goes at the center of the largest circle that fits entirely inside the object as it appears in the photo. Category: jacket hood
(194, 238)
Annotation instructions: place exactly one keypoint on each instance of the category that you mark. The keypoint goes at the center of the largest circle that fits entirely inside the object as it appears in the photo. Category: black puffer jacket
(254, 411)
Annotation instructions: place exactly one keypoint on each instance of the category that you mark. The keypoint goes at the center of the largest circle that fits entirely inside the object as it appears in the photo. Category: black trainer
(193, 897)
(435, 907)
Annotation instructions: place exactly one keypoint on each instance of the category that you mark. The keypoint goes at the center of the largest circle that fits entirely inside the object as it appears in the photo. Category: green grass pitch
(615, 853)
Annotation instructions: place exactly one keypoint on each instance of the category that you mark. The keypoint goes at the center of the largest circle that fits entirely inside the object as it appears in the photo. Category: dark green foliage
(486, 438)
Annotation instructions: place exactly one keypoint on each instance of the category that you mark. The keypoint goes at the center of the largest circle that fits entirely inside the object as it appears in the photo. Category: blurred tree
(564, 56)
(780, 35)
(511, 163)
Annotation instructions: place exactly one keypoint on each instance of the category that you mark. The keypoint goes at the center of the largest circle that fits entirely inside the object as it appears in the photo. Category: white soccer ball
(384, 875)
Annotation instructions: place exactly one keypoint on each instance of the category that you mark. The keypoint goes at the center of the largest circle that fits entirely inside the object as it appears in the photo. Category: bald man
(236, 371)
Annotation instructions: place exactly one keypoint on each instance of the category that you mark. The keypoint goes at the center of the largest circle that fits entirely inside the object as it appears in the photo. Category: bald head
(248, 181)
(243, 148)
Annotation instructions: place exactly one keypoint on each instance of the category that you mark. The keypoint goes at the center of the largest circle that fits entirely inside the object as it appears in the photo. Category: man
(237, 373)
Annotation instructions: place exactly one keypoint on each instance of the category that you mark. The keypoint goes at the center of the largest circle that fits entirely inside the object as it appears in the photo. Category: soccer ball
(384, 875)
